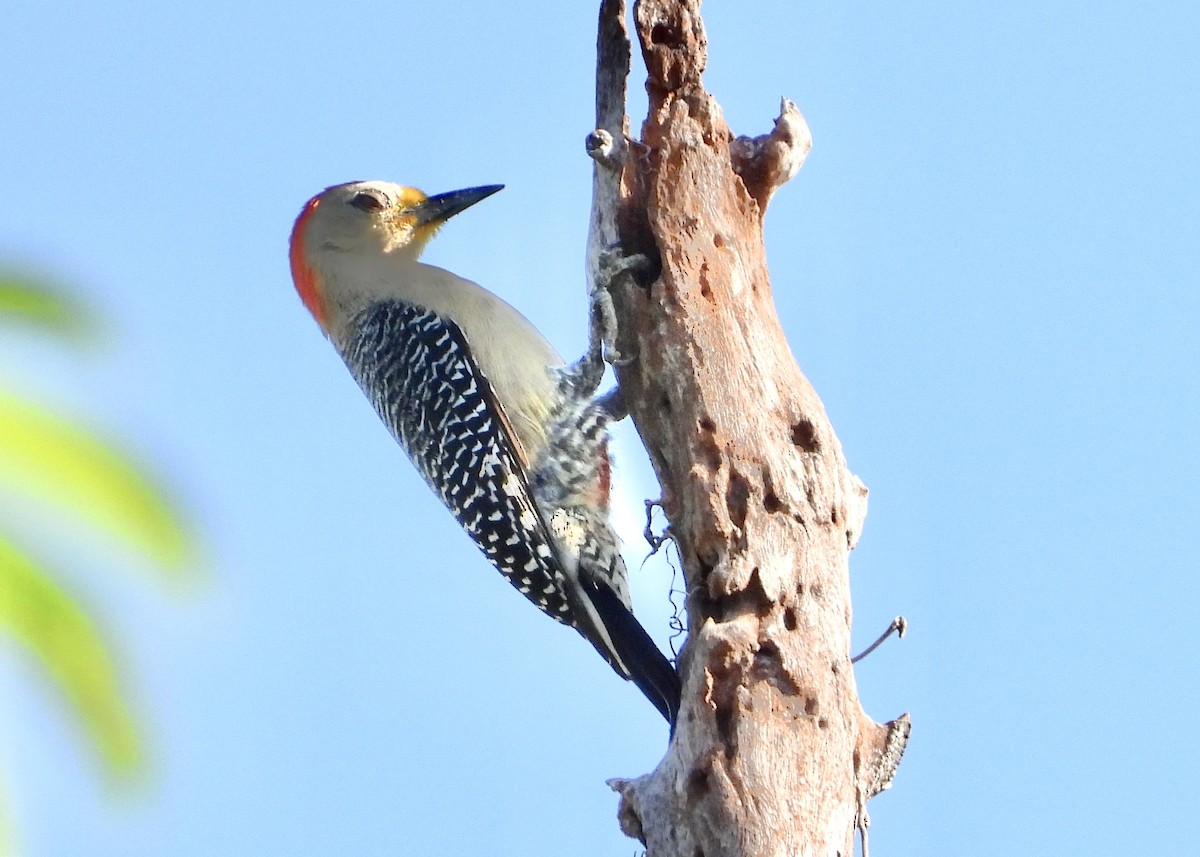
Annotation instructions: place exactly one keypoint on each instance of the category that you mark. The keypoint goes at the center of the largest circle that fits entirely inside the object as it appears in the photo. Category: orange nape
(303, 275)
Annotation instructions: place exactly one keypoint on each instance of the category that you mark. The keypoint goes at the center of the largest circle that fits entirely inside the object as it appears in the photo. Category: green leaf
(51, 624)
(51, 459)
(33, 301)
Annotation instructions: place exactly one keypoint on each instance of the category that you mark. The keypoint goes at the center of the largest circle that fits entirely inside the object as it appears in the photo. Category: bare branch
(768, 161)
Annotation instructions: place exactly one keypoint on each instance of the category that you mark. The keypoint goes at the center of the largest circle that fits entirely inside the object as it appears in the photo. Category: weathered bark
(773, 754)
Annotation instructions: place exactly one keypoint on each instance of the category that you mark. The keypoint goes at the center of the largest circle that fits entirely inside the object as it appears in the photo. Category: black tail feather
(648, 667)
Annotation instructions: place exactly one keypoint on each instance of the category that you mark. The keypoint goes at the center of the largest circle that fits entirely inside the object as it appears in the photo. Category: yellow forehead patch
(410, 196)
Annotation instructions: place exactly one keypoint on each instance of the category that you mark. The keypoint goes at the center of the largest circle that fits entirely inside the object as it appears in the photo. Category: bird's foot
(614, 266)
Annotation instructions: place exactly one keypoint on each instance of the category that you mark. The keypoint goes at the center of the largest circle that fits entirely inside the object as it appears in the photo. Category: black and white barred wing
(416, 369)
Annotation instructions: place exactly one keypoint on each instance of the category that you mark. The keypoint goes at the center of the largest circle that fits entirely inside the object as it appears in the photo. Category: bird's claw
(613, 266)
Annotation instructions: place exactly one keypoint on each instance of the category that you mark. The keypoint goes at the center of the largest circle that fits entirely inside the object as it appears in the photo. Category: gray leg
(614, 266)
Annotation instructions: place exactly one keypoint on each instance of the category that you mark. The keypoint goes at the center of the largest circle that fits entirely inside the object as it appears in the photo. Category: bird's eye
(369, 201)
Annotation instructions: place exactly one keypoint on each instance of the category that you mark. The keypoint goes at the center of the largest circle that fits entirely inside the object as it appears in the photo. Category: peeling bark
(773, 754)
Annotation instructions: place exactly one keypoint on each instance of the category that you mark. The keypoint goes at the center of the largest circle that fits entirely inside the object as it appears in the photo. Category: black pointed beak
(440, 208)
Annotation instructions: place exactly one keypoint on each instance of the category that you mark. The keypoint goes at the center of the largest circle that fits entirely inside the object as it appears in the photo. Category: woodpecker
(510, 437)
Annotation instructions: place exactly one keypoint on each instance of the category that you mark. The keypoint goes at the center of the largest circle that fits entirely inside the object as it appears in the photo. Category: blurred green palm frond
(39, 614)
(62, 466)
(46, 457)
(33, 301)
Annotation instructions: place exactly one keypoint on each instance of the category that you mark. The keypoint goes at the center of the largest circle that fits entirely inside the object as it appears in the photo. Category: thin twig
(898, 627)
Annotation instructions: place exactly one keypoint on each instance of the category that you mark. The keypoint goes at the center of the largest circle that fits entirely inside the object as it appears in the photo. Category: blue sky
(988, 267)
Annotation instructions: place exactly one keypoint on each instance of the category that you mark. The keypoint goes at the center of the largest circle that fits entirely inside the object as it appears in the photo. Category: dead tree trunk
(773, 754)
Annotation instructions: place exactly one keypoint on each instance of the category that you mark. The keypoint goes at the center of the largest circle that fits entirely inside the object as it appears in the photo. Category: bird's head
(367, 220)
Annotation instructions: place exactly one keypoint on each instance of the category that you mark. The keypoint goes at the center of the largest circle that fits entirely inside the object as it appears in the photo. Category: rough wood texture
(773, 754)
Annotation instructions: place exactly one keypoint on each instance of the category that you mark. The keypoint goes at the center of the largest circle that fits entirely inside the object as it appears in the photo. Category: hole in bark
(804, 435)
(706, 424)
(737, 499)
(757, 593)
(697, 786)
(789, 619)
(664, 402)
(705, 286)
(768, 666)
(727, 677)
(751, 601)
(718, 240)
(771, 502)
(663, 34)
(645, 276)
(834, 516)
(822, 723)
(699, 852)
(704, 607)
(709, 453)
